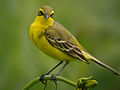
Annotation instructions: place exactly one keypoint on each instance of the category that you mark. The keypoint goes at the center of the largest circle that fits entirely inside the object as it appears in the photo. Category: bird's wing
(61, 39)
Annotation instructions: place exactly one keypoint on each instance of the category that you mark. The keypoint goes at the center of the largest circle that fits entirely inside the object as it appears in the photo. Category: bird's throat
(44, 22)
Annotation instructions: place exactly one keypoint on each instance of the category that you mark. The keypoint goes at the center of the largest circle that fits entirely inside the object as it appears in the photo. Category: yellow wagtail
(56, 41)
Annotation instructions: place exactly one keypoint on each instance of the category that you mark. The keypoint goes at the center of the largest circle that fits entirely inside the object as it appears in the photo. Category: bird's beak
(47, 17)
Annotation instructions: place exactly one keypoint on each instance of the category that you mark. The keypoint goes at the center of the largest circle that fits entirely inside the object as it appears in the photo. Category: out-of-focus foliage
(95, 23)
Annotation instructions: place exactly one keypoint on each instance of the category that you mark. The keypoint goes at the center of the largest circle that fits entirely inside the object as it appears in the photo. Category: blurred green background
(95, 23)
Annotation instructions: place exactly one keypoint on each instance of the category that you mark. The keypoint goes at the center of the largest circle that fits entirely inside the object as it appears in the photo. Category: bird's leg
(45, 84)
(57, 74)
(42, 76)
(67, 62)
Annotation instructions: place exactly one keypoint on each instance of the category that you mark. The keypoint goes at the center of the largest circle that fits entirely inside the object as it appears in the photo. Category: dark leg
(54, 67)
(42, 76)
(67, 62)
(57, 74)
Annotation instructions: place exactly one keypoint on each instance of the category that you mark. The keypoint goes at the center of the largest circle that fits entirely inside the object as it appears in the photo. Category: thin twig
(83, 83)
(48, 77)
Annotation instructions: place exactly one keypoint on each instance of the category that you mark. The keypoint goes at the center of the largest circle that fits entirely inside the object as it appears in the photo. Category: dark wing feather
(55, 38)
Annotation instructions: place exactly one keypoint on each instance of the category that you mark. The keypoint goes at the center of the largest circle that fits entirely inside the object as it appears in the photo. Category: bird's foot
(42, 78)
(53, 78)
(43, 81)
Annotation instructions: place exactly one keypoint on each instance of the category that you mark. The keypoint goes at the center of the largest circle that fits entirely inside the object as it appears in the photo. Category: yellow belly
(48, 49)
(38, 38)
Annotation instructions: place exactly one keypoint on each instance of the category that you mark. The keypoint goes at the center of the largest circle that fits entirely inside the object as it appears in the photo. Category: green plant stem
(31, 83)
(48, 77)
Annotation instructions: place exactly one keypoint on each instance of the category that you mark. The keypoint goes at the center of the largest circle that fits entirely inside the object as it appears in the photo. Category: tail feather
(102, 64)
(105, 66)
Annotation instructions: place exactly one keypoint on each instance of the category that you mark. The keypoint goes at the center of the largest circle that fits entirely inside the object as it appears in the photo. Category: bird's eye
(40, 13)
(51, 15)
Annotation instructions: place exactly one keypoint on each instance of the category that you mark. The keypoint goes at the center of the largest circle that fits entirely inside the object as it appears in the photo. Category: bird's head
(45, 14)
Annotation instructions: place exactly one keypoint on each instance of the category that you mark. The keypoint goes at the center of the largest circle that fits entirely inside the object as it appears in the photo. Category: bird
(56, 41)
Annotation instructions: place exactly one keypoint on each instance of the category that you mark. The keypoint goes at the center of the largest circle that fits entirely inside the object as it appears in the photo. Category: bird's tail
(102, 64)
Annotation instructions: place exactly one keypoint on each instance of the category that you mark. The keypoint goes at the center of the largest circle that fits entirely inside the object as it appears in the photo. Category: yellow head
(45, 15)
